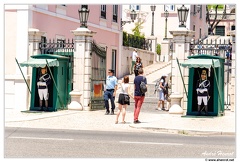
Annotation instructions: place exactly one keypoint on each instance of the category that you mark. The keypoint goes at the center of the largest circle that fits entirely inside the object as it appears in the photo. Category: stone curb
(183, 132)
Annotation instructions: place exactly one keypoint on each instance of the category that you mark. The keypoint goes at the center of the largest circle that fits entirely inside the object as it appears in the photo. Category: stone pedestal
(175, 104)
(75, 100)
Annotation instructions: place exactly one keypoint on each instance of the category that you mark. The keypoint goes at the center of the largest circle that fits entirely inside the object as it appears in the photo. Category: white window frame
(134, 7)
(115, 10)
(103, 8)
(169, 8)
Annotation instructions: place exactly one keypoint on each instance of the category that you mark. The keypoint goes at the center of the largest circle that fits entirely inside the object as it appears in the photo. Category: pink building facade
(54, 22)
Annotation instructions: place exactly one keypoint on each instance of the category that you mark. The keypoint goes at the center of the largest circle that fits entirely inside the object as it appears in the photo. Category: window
(194, 28)
(134, 7)
(85, 6)
(60, 43)
(220, 30)
(233, 27)
(115, 13)
(43, 39)
(169, 7)
(103, 11)
(200, 33)
(114, 57)
(200, 16)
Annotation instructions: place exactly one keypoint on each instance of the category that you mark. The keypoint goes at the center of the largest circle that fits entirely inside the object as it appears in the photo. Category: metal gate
(98, 77)
(62, 48)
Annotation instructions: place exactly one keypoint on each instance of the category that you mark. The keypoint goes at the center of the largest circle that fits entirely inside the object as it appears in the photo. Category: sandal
(116, 122)
(123, 122)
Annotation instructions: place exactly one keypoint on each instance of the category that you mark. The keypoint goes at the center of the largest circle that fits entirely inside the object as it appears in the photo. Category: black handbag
(126, 98)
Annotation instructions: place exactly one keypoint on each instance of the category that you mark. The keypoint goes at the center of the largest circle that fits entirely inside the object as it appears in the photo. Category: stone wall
(126, 61)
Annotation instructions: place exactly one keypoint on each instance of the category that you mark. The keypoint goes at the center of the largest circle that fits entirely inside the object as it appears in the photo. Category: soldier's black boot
(199, 110)
(40, 104)
(206, 110)
(46, 105)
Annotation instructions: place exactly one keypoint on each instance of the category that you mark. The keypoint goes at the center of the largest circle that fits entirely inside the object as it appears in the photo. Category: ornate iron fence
(214, 47)
(63, 47)
(137, 42)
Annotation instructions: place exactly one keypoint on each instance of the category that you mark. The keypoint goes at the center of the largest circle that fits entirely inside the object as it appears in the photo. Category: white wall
(16, 46)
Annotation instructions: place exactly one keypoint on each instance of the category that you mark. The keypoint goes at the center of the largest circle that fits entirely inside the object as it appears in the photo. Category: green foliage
(125, 39)
(137, 29)
(158, 49)
(220, 7)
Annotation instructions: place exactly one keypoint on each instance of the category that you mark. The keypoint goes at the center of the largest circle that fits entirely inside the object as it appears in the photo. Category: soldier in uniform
(43, 81)
(202, 88)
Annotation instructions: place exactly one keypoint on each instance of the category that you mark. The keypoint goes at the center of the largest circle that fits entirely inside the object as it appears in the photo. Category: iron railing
(131, 40)
(63, 47)
(214, 47)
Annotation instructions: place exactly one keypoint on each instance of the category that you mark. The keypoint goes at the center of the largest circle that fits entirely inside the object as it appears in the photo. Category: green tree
(215, 21)
(137, 29)
(158, 49)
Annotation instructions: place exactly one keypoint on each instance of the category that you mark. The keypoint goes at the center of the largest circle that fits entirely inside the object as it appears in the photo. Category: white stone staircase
(153, 72)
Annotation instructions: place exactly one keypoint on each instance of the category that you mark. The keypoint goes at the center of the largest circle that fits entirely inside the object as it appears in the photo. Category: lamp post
(166, 13)
(153, 8)
(83, 17)
(133, 16)
(182, 15)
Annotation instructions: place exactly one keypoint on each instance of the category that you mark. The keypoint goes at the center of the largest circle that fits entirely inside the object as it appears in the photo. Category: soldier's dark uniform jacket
(44, 78)
(203, 87)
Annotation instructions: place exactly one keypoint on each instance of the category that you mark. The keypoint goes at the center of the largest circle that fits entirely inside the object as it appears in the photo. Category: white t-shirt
(124, 88)
(134, 56)
(161, 81)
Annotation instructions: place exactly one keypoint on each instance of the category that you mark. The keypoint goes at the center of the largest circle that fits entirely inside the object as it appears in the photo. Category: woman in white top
(162, 92)
(122, 103)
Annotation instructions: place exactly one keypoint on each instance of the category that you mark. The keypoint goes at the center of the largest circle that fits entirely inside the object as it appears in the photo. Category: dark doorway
(50, 89)
(196, 77)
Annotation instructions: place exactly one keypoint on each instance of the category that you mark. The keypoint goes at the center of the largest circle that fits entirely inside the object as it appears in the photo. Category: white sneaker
(159, 109)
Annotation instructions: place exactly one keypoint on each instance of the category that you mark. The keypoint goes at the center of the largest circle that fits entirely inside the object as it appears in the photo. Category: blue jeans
(108, 94)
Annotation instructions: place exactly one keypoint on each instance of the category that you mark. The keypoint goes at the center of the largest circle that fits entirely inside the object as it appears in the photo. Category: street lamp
(153, 8)
(166, 13)
(83, 16)
(182, 15)
(133, 16)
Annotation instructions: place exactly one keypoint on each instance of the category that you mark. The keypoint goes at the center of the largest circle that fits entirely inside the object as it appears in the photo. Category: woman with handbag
(123, 99)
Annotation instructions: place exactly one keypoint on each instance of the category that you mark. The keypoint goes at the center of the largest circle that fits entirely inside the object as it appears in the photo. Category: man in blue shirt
(110, 92)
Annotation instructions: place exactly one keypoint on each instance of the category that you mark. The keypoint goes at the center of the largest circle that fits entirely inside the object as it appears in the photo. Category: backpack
(143, 86)
(157, 85)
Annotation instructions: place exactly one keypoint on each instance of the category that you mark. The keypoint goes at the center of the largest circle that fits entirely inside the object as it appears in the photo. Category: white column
(181, 44)
(165, 51)
(34, 38)
(154, 46)
(82, 70)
